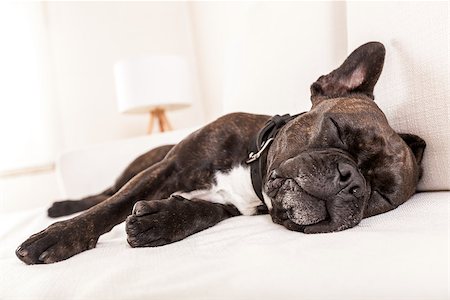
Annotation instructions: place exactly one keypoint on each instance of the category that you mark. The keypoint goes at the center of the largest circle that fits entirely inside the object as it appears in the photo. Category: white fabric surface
(92, 169)
(413, 89)
(402, 254)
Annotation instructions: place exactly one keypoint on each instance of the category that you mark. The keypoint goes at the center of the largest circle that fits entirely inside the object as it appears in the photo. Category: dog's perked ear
(358, 74)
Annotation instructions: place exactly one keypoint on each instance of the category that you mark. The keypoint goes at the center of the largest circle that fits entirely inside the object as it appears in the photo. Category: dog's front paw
(156, 222)
(57, 242)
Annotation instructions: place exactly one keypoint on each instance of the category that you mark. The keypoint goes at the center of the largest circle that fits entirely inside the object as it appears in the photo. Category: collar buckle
(254, 156)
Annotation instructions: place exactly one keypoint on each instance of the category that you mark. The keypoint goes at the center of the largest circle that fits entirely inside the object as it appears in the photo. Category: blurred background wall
(57, 85)
(87, 38)
(57, 88)
(253, 54)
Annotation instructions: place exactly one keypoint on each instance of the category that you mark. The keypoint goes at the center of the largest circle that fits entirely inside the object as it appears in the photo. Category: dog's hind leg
(68, 207)
(144, 161)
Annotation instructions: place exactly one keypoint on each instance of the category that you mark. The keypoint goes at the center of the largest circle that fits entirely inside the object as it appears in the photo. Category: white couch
(402, 254)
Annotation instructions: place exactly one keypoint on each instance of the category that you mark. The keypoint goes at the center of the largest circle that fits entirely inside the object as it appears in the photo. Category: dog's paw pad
(158, 222)
(142, 231)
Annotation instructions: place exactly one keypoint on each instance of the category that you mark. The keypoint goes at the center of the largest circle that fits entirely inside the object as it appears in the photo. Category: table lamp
(153, 85)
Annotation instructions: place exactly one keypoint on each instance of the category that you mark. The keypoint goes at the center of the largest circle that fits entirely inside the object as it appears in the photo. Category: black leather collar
(257, 157)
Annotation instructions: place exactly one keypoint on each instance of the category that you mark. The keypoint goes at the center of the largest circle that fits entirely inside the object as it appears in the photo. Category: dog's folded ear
(382, 202)
(416, 144)
(358, 74)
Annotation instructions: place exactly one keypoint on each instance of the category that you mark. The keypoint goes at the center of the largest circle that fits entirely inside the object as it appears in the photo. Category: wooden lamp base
(159, 115)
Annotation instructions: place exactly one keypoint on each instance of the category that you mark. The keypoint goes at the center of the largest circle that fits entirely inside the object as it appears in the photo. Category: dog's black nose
(350, 181)
(345, 173)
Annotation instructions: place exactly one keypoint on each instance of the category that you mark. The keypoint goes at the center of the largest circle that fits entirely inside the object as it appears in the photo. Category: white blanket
(402, 254)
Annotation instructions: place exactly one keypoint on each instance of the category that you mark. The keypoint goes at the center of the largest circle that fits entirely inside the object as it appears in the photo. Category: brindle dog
(325, 171)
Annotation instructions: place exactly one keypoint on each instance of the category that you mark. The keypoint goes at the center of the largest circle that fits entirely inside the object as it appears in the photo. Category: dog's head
(341, 161)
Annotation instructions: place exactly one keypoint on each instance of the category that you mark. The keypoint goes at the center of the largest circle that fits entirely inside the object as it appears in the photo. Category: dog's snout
(350, 181)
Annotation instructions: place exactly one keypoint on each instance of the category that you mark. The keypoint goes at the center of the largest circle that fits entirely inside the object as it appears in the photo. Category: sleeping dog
(320, 171)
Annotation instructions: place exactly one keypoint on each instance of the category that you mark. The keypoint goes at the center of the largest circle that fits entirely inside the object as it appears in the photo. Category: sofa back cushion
(92, 169)
(413, 89)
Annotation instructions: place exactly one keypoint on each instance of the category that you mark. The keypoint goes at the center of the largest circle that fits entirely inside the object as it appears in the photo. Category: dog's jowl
(320, 171)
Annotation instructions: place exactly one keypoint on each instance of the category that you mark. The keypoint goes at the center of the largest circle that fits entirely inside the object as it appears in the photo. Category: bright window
(25, 104)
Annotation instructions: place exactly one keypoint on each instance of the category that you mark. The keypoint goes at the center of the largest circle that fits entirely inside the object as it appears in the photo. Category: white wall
(59, 87)
(214, 24)
(87, 38)
(248, 55)
(262, 56)
(258, 57)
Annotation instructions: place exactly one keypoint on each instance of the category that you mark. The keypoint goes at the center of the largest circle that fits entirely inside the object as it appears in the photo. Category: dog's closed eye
(338, 131)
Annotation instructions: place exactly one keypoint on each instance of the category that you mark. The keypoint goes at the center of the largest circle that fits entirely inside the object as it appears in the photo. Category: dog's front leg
(62, 240)
(160, 222)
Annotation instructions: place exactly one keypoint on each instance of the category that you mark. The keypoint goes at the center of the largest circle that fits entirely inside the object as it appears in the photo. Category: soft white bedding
(402, 254)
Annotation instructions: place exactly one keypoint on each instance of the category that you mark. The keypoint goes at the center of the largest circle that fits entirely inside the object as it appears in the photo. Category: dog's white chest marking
(234, 187)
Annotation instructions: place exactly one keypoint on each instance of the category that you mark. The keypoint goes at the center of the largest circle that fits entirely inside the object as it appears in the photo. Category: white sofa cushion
(402, 254)
(90, 170)
(413, 89)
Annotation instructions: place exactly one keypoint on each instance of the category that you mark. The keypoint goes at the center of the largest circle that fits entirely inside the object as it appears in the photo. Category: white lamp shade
(152, 82)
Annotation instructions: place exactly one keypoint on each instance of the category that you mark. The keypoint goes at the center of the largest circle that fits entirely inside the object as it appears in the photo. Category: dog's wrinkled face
(341, 161)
